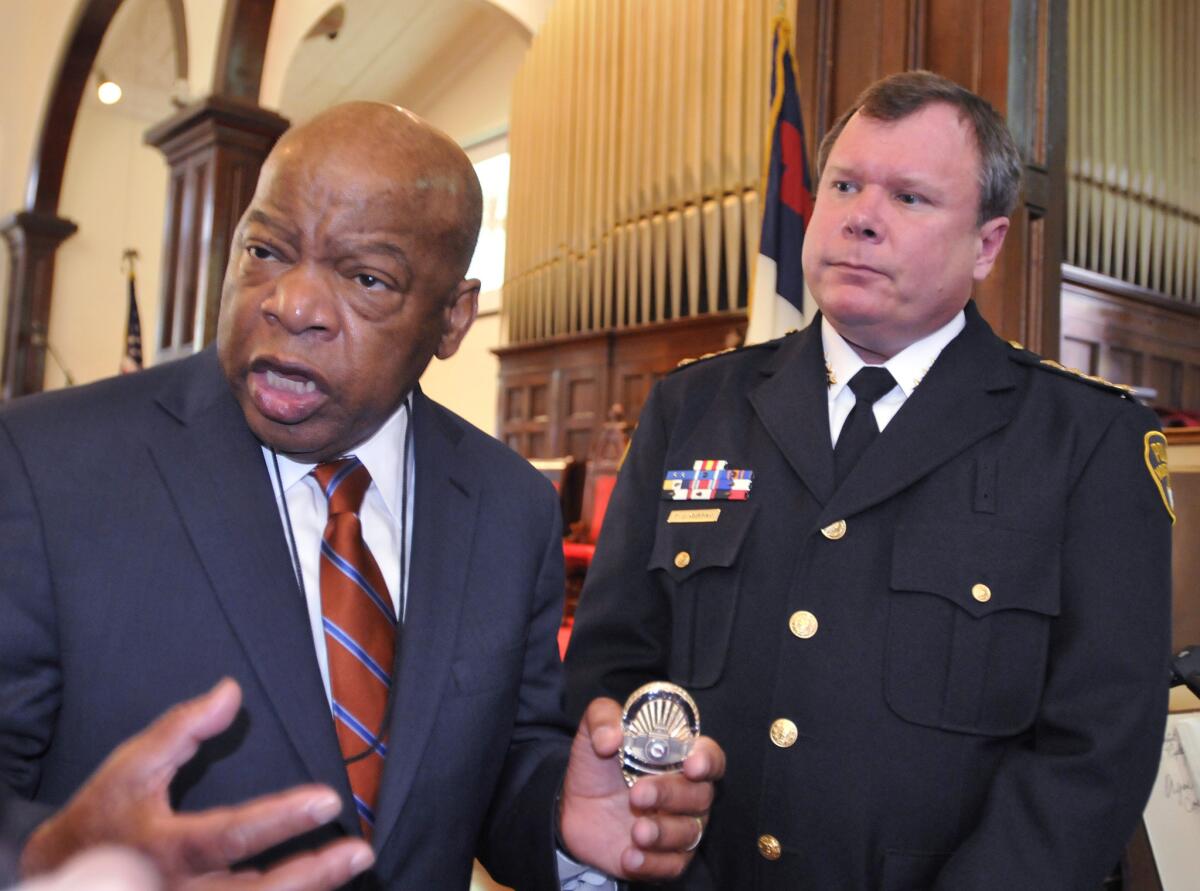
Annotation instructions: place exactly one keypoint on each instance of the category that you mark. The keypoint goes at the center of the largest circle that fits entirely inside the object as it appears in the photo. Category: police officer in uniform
(916, 578)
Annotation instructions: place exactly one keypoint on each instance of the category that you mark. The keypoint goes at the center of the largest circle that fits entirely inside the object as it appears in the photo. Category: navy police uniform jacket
(950, 671)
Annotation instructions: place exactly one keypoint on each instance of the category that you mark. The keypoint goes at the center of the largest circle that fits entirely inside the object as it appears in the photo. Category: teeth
(280, 382)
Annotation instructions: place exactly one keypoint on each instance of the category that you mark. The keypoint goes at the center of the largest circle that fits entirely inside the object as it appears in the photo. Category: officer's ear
(991, 239)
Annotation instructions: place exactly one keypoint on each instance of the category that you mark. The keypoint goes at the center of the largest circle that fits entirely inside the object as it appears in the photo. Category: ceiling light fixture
(109, 91)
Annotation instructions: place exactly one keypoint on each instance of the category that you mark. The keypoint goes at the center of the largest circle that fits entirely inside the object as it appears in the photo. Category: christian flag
(777, 286)
(132, 360)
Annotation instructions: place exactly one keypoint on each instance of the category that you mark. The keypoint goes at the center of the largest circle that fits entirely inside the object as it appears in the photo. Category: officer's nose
(863, 220)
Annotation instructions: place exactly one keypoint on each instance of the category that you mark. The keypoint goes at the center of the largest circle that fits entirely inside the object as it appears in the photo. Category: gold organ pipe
(636, 136)
(1133, 193)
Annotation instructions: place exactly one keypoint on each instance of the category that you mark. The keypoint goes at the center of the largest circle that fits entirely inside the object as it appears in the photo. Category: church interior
(620, 147)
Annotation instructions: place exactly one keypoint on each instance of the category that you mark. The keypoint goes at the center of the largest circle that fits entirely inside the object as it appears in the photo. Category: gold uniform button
(682, 559)
(835, 530)
(769, 847)
(803, 624)
(981, 592)
(783, 733)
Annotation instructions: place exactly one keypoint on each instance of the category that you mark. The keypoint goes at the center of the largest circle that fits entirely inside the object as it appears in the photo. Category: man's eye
(368, 281)
(842, 186)
(908, 198)
(258, 252)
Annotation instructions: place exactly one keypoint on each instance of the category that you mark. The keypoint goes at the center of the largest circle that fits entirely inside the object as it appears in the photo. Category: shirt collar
(908, 366)
(382, 453)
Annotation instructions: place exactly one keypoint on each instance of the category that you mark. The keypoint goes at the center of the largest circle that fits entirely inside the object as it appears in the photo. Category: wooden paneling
(1131, 336)
(554, 396)
(551, 396)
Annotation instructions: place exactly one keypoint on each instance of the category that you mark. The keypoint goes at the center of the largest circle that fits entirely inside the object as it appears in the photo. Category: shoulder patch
(769, 344)
(1156, 463)
(1033, 360)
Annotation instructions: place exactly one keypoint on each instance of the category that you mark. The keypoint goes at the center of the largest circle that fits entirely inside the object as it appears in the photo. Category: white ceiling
(400, 51)
(138, 52)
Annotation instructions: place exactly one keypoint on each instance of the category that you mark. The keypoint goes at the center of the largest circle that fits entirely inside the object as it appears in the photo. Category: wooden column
(32, 239)
(214, 150)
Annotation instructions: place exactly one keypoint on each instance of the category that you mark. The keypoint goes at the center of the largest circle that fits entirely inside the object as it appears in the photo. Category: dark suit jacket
(942, 741)
(142, 558)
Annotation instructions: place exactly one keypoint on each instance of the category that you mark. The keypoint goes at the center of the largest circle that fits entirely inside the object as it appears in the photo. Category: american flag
(132, 360)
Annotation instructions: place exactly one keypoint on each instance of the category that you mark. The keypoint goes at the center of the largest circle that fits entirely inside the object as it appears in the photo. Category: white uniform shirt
(908, 367)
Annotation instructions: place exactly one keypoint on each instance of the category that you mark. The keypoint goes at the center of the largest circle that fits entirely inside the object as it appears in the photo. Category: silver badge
(661, 723)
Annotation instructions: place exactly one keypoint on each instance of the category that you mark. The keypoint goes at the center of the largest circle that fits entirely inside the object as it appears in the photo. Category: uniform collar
(908, 366)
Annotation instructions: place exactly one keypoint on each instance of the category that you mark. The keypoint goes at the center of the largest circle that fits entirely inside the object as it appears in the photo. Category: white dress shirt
(380, 516)
(908, 367)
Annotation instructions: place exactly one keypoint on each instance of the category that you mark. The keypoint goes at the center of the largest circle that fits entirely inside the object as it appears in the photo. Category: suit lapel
(793, 405)
(213, 466)
(445, 508)
(968, 393)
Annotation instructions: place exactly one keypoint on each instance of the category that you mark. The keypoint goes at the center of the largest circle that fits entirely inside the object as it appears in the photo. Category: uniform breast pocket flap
(699, 565)
(969, 621)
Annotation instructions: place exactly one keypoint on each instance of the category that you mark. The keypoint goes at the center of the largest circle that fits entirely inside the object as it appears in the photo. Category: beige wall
(115, 189)
(466, 383)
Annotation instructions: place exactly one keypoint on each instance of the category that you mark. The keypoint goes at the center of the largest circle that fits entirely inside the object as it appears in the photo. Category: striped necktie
(360, 633)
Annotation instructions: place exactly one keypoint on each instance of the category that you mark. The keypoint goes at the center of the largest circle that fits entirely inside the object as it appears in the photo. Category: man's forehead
(337, 182)
(898, 147)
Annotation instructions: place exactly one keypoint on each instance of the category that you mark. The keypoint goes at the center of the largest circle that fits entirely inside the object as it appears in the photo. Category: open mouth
(283, 393)
(291, 385)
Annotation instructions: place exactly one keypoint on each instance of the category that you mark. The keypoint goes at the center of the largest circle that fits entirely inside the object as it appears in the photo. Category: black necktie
(871, 382)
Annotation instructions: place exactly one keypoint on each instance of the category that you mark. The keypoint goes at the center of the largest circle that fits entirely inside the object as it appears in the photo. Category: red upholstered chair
(604, 461)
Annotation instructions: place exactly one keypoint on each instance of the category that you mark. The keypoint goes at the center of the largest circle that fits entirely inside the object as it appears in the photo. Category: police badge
(661, 723)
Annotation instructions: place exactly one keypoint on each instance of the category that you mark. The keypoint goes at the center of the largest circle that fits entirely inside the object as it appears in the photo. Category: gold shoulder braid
(767, 344)
(1027, 357)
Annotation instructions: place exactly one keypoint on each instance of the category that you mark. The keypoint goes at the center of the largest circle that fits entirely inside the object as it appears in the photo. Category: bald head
(429, 174)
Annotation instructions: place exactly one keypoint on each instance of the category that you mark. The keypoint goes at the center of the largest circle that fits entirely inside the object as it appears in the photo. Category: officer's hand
(647, 833)
(125, 802)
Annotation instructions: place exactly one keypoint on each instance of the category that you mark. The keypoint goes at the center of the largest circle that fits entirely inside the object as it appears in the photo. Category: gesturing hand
(644, 833)
(125, 802)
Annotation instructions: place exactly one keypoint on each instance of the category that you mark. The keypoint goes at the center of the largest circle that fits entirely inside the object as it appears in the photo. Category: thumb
(602, 726)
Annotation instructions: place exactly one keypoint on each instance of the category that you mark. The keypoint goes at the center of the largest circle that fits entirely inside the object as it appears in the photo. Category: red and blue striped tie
(360, 633)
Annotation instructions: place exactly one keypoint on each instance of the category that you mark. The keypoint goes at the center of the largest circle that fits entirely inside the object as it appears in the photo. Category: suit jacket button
(784, 733)
(769, 847)
(981, 592)
(803, 624)
(682, 559)
(834, 530)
